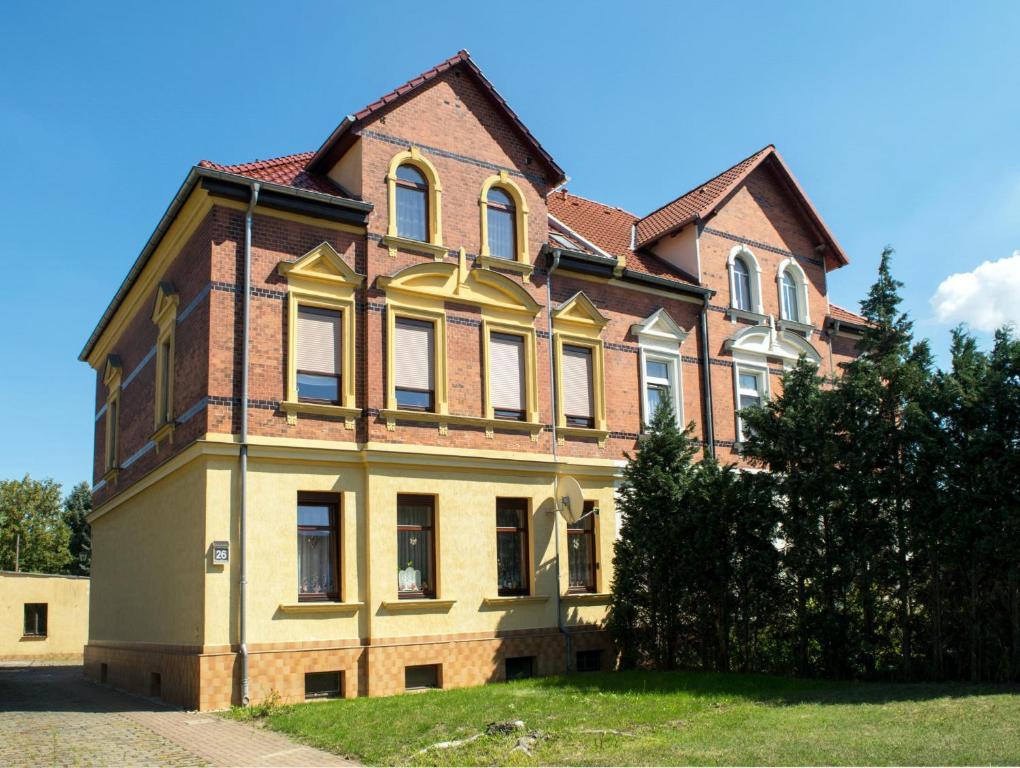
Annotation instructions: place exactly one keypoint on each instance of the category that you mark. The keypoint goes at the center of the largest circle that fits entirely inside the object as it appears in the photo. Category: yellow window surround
(420, 292)
(321, 278)
(111, 379)
(527, 332)
(577, 322)
(164, 316)
(522, 264)
(393, 240)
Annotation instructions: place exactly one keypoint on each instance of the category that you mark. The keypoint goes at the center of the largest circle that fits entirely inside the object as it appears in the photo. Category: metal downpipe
(243, 515)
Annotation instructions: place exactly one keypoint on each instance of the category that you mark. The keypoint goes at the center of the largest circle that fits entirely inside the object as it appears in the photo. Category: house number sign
(221, 551)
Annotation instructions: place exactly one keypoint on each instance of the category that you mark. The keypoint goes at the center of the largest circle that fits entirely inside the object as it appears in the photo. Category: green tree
(31, 511)
(77, 507)
(648, 612)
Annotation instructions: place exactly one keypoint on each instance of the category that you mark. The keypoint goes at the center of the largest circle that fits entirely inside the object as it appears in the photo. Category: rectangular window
(520, 668)
(35, 619)
(413, 364)
(318, 542)
(658, 386)
(112, 432)
(576, 386)
(421, 676)
(318, 354)
(588, 661)
(750, 391)
(507, 376)
(512, 546)
(165, 414)
(581, 552)
(416, 556)
(323, 685)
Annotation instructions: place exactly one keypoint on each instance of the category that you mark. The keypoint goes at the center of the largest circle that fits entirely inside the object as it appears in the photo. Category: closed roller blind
(318, 340)
(576, 385)
(506, 371)
(413, 354)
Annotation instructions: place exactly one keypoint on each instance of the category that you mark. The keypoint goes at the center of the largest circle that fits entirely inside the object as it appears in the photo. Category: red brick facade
(456, 123)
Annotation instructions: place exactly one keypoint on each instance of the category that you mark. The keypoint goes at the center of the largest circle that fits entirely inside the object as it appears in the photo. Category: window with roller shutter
(578, 400)
(318, 354)
(506, 376)
(414, 364)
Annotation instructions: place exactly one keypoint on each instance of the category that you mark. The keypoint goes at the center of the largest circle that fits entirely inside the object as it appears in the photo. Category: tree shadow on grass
(765, 689)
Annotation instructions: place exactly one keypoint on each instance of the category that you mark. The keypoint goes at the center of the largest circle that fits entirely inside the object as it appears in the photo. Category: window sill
(392, 416)
(293, 407)
(804, 329)
(757, 318)
(320, 606)
(491, 262)
(509, 601)
(418, 604)
(395, 243)
(595, 434)
(33, 638)
(586, 598)
(163, 432)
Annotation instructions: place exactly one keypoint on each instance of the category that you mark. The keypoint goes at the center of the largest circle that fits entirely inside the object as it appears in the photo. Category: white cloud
(985, 299)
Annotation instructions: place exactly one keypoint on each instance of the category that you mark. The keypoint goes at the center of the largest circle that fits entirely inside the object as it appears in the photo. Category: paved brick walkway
(52, 716)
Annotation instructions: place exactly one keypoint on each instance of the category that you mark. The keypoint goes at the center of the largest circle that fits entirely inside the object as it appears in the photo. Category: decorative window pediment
(579, 313)
(659, 330)
(322, 280)
(112, 371)
(761, 341)
(659, 339)
(433, 283)
(166, 303)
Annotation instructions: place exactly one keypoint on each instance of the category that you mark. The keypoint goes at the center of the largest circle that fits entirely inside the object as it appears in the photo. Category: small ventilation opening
(520, 667)
(420, 677)
(155, 685)
(104, 672)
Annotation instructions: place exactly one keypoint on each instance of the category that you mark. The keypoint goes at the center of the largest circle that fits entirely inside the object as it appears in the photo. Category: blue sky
(900, 121)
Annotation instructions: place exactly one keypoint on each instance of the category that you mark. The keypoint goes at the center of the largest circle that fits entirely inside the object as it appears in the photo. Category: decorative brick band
(762, 246)
(451, 155)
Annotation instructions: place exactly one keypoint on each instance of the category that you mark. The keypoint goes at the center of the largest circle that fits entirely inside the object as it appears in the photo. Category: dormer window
(412, 203)
(502, 236)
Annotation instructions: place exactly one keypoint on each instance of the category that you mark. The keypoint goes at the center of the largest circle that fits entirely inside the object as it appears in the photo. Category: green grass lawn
(648, 718)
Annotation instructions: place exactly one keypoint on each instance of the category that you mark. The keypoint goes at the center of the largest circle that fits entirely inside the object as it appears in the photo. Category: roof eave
(195, 175)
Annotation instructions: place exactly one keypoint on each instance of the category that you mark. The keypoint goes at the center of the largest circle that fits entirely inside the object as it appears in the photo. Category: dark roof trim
(225, 185)
(835, 325)
(590, 264)
(663, 282)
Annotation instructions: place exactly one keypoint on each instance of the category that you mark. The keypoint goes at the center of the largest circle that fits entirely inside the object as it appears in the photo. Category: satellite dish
(569, 499)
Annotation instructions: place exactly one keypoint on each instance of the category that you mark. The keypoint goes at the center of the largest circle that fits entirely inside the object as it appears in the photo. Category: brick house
(341, 481)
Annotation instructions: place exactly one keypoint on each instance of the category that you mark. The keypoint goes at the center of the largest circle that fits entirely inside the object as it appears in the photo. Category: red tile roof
(323, 156)
(288, 171)
(845, 315)
(609, 229)
(697, 203)
(702, 201)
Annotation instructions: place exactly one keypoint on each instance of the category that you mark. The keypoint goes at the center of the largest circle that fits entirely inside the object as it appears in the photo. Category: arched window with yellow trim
(414, 203)
(504, 224)
(501, 213)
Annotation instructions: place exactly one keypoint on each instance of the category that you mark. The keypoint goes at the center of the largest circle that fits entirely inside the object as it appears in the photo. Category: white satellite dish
(569, 499)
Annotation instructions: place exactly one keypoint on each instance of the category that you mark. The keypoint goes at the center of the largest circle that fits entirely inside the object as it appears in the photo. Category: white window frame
(753, 278)
(762, 374)
(791, 267)
(659, 339)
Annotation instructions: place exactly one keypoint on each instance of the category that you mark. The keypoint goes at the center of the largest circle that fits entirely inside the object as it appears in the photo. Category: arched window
(412, 203)
(741, 285)
(501, 213)
(788, 290)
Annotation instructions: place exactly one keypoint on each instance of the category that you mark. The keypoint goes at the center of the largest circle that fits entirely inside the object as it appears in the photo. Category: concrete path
(50, 715)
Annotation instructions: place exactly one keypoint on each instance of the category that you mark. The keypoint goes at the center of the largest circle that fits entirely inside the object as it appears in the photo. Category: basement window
(589, 661)
(421, 677)
(520, 668)
(323, 685)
